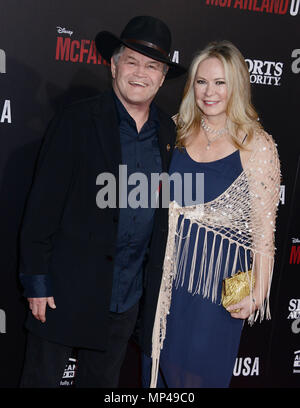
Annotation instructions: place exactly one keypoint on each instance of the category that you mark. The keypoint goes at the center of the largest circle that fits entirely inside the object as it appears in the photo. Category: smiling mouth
(138, 83)
(211, 102)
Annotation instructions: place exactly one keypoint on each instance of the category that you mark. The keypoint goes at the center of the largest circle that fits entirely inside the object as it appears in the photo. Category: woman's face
(210, 89)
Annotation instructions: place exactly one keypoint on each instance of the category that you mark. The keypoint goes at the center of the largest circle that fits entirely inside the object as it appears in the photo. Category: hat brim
(107, 42)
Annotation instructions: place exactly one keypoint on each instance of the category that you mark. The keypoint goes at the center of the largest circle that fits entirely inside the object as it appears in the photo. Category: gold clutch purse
(235, 288)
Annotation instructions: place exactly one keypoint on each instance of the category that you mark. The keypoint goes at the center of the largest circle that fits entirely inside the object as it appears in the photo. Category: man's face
(136, 78)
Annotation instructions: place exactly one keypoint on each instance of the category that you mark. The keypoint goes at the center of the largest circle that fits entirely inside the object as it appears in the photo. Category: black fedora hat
(146, 35)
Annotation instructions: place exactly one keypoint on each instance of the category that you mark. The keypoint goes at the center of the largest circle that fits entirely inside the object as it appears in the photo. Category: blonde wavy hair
(242, 117)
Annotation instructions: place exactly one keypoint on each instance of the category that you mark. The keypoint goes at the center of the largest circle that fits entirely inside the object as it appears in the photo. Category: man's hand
(38, 307)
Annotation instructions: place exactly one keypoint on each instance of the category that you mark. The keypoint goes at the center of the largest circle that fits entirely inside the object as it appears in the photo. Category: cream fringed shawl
(244, 214)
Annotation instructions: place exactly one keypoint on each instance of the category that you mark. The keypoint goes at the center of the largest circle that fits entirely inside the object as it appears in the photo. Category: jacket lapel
(106, 122)
(166, 140)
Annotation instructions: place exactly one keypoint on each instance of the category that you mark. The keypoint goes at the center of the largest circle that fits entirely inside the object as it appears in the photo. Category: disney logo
(62, 30)
(296, 240)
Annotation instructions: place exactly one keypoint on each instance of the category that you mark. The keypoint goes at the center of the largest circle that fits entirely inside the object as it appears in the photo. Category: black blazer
(64, 233)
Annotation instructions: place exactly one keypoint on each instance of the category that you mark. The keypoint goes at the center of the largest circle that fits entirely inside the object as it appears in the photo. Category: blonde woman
(195, 339)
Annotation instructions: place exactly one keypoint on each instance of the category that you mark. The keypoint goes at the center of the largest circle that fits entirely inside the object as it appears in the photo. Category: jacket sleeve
(45, 205)
(36, 286)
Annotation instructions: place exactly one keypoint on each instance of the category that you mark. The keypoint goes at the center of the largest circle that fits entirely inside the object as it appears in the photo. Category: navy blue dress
(202, 339)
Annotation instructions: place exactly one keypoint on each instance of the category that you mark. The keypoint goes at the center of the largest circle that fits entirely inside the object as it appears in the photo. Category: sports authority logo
(246, 366)
(296, 63)
(280, 7)
(294, 309)
(295, 252)
(5, 112)
(2, 322)
(296, 326)
(264, 72)
(2, 62)
(296, 365)
(294, 314)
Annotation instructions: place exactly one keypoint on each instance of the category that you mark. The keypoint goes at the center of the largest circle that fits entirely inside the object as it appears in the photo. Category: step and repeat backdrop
(48, 59)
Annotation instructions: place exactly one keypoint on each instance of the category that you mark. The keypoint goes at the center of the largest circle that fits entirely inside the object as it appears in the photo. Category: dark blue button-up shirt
(140, 153)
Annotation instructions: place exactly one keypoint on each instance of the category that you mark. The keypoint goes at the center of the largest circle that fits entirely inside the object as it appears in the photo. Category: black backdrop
(47, 58)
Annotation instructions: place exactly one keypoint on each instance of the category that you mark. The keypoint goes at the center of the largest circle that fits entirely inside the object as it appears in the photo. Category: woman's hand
(243, 309)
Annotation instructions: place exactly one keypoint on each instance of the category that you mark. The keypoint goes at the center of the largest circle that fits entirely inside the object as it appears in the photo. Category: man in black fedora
(81, 261)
